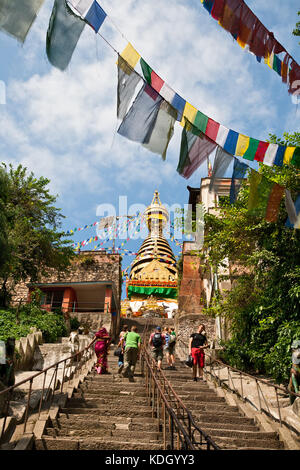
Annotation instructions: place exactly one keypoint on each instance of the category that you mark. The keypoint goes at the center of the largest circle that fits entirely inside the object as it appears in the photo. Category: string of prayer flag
(237, 18)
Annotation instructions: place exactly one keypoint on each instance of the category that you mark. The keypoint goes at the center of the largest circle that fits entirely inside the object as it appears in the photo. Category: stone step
(225, 417)
(49, 443)
(103, 426)
(118, 444)
(81, 419)
(145, 436)
(203, 398)
(114, 386)
(113, 393)
(174, 376)
(237, 443)
(209, 407)
(195, 393)
(238, 434)
(110, 378)
(187, 383)
(94, 402)
(106, 410)
(207, 427)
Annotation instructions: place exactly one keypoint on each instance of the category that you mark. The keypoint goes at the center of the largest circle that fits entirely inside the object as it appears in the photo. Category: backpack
(157, 340)
(172, 339)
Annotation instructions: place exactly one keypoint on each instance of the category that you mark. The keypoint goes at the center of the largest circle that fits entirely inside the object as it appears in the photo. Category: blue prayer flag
(178, 103)
(231, 141)
(95, 16)
(279, 155)
(239, 171)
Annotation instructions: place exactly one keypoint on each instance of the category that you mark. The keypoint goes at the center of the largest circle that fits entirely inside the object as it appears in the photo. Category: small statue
(128, 312)
(295, 370)
(74, 345)
(7, 370)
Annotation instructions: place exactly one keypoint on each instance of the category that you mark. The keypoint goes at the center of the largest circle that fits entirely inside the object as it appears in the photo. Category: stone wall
(25, 348)
(92, 321)
(185, 325)
(87, 267)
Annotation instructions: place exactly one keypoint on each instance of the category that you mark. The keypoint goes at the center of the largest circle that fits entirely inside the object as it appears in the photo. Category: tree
(264, 303)
(30, 238)
(296, 31)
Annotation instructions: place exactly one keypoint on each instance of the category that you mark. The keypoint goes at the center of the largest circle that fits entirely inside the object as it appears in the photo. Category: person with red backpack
(157, 341)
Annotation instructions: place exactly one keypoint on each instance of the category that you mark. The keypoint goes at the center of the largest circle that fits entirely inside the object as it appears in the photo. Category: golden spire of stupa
(155, 260)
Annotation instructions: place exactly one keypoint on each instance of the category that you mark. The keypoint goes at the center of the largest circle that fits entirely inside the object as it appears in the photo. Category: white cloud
(62, 125)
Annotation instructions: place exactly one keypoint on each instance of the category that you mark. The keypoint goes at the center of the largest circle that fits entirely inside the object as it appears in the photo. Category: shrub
(17, 324)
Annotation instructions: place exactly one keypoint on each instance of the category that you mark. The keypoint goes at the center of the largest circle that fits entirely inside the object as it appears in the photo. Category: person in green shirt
(132, 342)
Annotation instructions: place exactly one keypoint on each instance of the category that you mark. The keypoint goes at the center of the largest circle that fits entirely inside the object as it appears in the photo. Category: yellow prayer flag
(242, 145)
(189, 113)
(241, 43)
(288, 154)
(130, 55)
(269, 59)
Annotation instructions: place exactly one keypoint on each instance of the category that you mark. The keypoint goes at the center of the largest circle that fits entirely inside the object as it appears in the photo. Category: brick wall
(191, 286)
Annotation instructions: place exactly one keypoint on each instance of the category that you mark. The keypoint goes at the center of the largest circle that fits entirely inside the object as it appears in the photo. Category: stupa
(153, 277)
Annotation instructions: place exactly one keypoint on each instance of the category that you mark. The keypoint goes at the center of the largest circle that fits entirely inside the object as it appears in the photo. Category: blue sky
(62, 125)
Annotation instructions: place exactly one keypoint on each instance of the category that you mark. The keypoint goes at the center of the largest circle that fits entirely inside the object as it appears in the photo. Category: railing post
(42, 395)
(278, 406)
(164, 425)
(54, 383)
(258, 395)
(172, 432)
(63, 377)
(27, 406)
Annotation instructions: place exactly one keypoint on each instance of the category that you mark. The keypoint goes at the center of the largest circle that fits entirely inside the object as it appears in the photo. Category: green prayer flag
(296, 158)
(264, 196)
(147, 70)
(201, 121)
(63, 34)
(251, 150)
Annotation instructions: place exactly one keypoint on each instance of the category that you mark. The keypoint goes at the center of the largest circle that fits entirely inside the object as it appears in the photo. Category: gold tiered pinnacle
(155, 264)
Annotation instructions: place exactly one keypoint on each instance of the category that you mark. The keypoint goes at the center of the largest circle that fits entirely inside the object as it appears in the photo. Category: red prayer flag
(156, 81)
(261, 151)
(217, 9)
(212, 129)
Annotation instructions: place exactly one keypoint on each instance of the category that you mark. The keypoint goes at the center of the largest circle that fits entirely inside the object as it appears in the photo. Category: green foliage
(296, 31)
(85, 261)
(263, 306)
(74, 323)
(30, 242)
(17, 324)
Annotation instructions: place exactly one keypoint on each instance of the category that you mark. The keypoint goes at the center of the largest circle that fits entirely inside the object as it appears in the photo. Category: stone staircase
(224, 423)
(105, 413)
(108, 412)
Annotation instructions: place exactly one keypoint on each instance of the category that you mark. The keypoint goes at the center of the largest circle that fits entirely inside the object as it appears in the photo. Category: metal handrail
(76, 362)
(178, 437)
(243, 375)
(182, 412)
